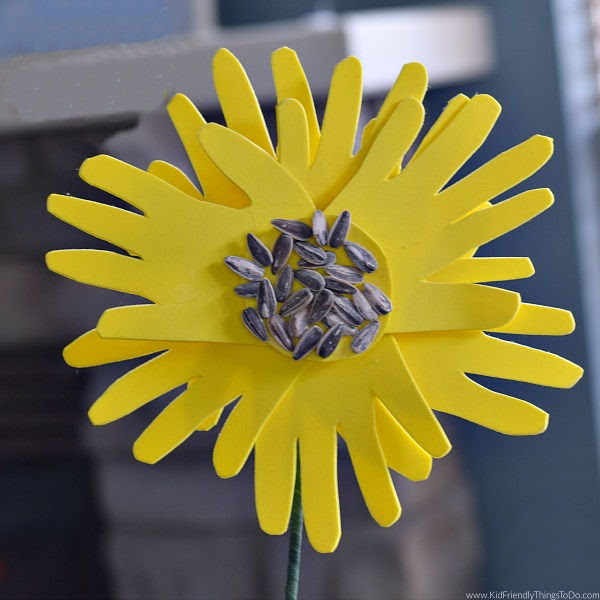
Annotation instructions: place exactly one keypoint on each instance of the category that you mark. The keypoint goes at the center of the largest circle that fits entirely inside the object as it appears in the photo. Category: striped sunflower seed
(279, 330)
(332, 319)
(347, 311)
(297, 229)
(297, 301)
(265, 299)
(321, 306)
(319, 226)
(378, 300)
(339, 230)
(364, 307)
(330, 258)
(298, 323)
(364, 337)
(339, 287)
(247, 290)
(345, 274)
(361, 257)
(281, 252)
(310, 338)
(254, 324)
(260, 253)
(329, 342)
(245, 268)
(283, 285)
(311, 279)
(310, 252)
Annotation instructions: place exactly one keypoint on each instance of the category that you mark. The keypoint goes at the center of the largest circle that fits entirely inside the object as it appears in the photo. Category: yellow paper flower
(423, 235)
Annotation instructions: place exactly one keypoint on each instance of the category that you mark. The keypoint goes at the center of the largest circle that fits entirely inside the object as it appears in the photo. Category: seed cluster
(330, 303)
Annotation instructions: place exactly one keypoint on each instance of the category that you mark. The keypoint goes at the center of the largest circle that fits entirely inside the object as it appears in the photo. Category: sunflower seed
(339, 287)
(245, 268)
(321, 306)
(364, 307)
(265, 299)
(329, 342)
(345, 274)
(319, 226)
(305, 264)
(247, 290)
(297, 301)
(297, 229)
(378, 300)
(311, 279)
(278, 329)
(364, 337)
(332, 319)
(310, 338)
(260, 253)
(361, 257)
(281, 252)
(283, 285)
(347, 311)
(310, 252)
(339, 230)
(330, 258)
(254, 324)
(298, 323)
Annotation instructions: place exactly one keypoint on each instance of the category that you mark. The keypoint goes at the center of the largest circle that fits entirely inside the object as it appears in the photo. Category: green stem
(293, 570)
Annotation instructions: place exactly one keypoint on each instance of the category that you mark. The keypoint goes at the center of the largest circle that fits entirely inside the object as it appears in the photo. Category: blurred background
(79, 517)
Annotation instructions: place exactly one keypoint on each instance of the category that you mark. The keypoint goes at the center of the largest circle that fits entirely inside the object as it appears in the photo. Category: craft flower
(423, 235)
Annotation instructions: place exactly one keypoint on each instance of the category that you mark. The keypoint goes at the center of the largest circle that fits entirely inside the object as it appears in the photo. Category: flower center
(319, 292)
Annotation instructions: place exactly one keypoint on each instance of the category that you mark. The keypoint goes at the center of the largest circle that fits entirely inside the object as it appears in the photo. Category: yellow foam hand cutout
(181, 243)
(323, 403)
(424, 234)
(456, 354)
(330, 160)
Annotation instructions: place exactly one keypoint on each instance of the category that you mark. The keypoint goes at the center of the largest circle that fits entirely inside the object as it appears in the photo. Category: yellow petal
(482, 270)
(290, 82)
(452, 109)
(260, 397)
(105, 269)
(216, 187)
(401, 452)
(318, 465)
(90, 350)
(455, 144)
(495, 177)
(238, 101)
(488, 224)
(533, 319)
(443, 306)
(203, 397)
(122, 228)
(143, 384)
(274, 475)
(176, 177)
(292, 136)
(371, 471)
